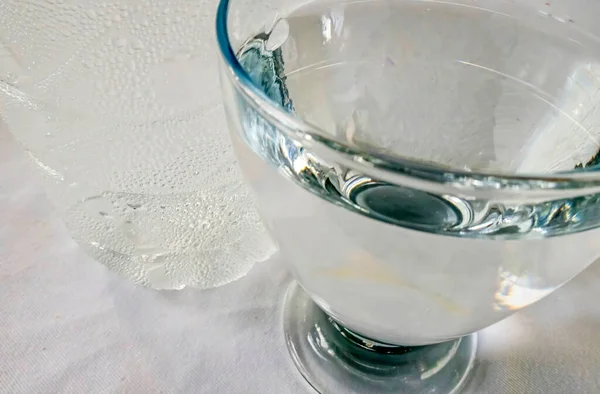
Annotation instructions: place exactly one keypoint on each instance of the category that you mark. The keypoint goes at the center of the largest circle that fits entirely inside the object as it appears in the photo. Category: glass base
(334, 359)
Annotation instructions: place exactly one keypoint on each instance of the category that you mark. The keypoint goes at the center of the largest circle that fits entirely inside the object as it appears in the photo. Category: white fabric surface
(68, 325)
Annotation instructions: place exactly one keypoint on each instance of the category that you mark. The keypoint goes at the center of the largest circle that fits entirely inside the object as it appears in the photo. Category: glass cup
(427, 169)
(118, 107)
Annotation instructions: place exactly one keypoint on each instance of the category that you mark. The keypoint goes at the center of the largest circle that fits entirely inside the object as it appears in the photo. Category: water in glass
(457, 85)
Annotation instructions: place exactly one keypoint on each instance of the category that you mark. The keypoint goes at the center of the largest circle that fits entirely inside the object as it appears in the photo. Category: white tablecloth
(68, 325)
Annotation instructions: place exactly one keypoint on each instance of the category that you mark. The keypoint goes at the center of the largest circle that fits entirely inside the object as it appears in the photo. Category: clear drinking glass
(118, 105)
(427, 168)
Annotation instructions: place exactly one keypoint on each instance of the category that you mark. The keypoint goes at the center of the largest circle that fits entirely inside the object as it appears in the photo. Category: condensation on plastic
(117, 103)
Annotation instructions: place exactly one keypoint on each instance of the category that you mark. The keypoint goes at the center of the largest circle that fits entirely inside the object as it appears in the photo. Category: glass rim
(371, 159)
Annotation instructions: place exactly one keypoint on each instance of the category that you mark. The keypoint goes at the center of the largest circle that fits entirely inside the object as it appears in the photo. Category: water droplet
(98, 206)
(278, 35)
(137, 44)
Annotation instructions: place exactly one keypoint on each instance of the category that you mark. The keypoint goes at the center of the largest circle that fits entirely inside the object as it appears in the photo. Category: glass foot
(335, 360)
